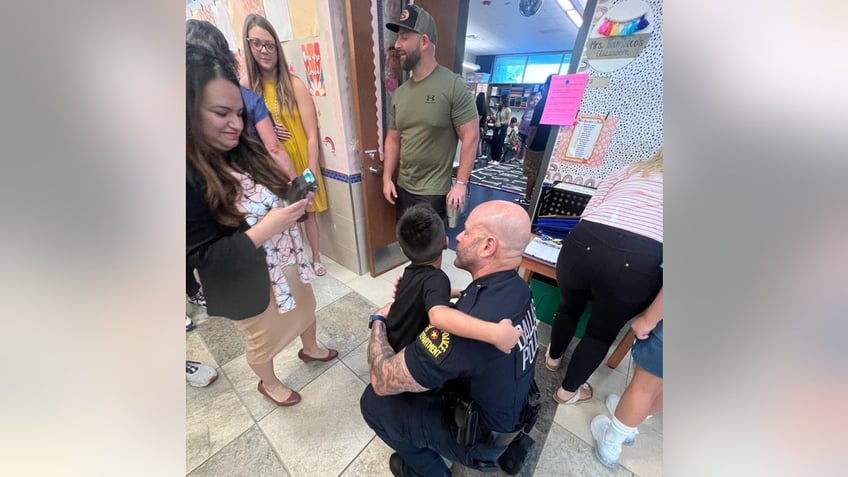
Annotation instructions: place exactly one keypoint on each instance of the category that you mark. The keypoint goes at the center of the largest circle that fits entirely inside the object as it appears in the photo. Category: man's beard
(412, 58)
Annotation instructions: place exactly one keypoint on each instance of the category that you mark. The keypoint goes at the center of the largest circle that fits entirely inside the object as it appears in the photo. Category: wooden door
(379, 214)
(451, 18)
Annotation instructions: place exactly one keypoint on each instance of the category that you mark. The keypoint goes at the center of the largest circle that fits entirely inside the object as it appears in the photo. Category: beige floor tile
(337, 271)
(644, 457)
(375, 290)
(196, 349)
(567, 456)
(223, 339)
(576, 418)
(343, 325)
(197, 312)
(248, 455)
(372, 462)
(324, 432)
(328, 289)
(293, 372)
(394, 273)
(357, 361)
(655, 424)
(214, 417)
(607, 381)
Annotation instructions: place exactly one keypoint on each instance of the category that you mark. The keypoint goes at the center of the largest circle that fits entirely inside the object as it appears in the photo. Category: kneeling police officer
(448, 396)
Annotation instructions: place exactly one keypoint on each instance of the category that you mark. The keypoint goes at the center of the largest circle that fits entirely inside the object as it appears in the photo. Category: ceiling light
(569, 8)
(470, 66)
(575, 17)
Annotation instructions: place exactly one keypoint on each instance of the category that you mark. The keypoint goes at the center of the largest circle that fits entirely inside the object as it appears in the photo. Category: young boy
(511, 142)
(424, 292)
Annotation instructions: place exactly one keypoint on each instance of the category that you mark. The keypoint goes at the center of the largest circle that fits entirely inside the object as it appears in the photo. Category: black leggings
(620, 272)
(497, 142)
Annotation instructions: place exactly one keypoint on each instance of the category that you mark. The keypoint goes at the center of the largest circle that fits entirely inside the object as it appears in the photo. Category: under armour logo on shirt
(431, 98)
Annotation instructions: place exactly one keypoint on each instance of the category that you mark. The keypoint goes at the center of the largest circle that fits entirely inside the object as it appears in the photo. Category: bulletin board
(625, 89)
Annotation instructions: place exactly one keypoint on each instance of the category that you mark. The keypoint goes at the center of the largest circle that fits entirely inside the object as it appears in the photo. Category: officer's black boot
(399, 468)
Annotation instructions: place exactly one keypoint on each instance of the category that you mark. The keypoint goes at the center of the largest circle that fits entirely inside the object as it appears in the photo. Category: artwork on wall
(329, 144)
(304, 19)
(586, 144)
(631, 94)
(238, 11)
(277, 12)
(314, 72)
(620, 35)
(203, 12)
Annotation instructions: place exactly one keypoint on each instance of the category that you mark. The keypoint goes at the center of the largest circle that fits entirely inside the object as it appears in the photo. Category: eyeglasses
(259, 45)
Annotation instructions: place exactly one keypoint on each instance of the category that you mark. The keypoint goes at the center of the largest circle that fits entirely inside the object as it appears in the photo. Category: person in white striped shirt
(612, 257)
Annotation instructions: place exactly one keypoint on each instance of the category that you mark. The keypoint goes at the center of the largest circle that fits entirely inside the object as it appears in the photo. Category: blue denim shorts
(647, 353)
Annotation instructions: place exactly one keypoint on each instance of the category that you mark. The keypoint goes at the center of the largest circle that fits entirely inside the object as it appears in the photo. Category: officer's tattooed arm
(389, 374)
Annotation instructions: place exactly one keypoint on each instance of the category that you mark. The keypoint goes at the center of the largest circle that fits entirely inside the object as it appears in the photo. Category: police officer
(448, 396)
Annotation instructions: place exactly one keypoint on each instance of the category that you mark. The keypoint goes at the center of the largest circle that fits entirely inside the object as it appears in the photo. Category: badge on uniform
(436, 342)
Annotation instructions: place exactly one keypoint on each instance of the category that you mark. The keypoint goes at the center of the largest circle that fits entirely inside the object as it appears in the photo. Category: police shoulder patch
(436, 343)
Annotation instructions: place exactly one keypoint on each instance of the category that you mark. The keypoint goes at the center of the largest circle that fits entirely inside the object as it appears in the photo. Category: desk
(534, 265)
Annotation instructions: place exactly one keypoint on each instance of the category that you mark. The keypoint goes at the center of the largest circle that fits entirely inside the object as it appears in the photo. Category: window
(566, 60)
(509, 69)
(540, 66)
(529, 69)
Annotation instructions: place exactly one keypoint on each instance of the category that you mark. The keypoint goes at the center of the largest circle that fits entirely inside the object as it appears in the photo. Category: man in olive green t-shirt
(428, 114)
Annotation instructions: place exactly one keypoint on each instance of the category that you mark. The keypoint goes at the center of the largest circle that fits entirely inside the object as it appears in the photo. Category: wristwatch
(376, 318)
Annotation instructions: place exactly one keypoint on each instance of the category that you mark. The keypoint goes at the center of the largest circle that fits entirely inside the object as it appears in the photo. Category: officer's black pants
(414, 425)
(620, 272)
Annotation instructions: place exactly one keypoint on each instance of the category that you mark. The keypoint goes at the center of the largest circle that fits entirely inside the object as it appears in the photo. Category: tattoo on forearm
(389, 374)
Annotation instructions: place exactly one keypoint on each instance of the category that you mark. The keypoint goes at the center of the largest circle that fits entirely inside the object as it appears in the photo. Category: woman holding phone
(234, 219)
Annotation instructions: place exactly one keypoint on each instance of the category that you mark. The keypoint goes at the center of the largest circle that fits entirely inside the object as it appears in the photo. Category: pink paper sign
(564, 98)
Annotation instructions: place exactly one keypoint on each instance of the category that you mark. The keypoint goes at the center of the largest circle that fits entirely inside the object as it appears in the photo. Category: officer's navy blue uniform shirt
(497, 381)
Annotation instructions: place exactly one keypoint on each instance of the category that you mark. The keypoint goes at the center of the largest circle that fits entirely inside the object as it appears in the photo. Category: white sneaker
(199, 375)
(189, 324)
(606, 452)
(612, 403)
(198, 299)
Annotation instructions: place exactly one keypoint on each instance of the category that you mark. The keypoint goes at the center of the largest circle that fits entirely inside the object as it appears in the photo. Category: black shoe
(400, 468)
(522, 202)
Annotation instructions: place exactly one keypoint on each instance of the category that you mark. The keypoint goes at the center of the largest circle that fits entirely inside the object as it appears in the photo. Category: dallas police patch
(436, 343)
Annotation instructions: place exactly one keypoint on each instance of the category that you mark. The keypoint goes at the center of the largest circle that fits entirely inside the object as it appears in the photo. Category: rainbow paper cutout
(624, 28)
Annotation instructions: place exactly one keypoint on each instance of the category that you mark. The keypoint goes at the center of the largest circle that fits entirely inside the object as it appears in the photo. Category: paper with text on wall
(564, 98)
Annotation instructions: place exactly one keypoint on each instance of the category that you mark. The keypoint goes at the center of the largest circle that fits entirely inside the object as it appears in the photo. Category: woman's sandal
(319, 269)
(550, 363)
(576, 399)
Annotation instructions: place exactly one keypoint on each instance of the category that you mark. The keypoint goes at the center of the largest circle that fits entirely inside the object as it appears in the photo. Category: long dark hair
(481, 104)
(210, 168)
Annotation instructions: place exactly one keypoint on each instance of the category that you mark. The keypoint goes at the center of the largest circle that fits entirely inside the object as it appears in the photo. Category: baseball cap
(418, 20)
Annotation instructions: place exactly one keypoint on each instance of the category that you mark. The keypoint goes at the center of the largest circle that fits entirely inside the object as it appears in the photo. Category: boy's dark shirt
(421, 288)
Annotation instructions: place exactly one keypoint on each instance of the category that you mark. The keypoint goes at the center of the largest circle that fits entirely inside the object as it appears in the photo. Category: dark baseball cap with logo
(418, 20)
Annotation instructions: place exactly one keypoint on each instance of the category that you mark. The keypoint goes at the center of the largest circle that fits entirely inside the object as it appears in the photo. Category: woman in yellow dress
(292, 112)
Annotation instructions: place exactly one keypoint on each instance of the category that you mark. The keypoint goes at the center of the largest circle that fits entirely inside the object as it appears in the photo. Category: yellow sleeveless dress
(296, 146)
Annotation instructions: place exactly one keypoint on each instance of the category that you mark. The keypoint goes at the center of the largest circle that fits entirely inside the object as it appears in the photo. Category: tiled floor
(231, 430)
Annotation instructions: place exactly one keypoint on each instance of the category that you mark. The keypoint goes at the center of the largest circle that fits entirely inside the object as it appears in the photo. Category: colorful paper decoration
(623, 28)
